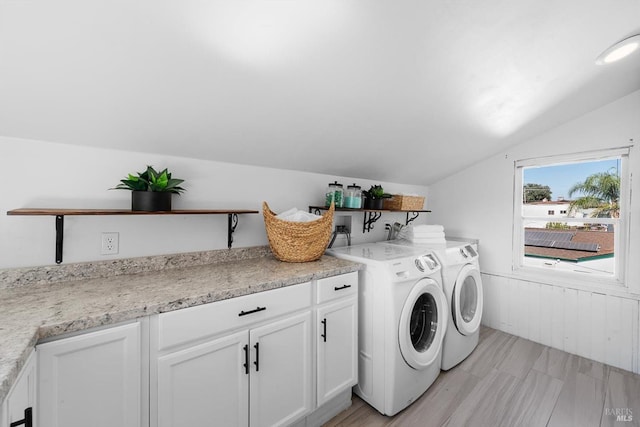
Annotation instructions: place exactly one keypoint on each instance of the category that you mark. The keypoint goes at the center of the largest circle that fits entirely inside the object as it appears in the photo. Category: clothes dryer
(402, 323)
(462, 286)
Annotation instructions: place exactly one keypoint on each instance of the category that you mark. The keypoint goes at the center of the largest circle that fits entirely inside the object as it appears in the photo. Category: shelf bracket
(415, 215)
(59, 237)
(369, 219)
(231, 228)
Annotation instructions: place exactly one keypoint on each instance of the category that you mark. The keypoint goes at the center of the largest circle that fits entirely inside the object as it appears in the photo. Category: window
(588, 236)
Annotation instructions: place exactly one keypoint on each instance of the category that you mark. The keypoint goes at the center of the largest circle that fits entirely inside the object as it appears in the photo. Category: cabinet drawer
(337, 287)
(194, 323)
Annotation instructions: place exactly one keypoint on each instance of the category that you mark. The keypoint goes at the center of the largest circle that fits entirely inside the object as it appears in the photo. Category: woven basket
(297, 241)
(400, 202)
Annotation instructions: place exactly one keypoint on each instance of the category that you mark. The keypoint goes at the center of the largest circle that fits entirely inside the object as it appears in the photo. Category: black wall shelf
(61, 213)
(372, 215)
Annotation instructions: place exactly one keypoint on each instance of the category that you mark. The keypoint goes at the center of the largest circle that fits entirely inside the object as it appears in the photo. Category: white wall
(590, 324)
(478, 202)
(51, 175)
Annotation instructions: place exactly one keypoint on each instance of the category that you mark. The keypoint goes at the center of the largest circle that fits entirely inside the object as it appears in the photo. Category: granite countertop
(42, 310)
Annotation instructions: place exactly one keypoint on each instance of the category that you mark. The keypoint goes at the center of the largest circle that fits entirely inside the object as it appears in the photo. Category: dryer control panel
(415, 267)
(462, 254)
(468, 252)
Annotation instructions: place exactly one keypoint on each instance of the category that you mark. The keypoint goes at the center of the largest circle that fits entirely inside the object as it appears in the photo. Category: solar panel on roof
(548, 235)
(580, 246)
(543, 243)
(555, 244)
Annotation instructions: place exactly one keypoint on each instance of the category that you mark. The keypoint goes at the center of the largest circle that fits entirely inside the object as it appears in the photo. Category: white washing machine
(402, 323)
(462, 286)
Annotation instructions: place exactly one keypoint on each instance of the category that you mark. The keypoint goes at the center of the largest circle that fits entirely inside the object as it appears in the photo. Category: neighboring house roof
(549, 202)
(603, 239)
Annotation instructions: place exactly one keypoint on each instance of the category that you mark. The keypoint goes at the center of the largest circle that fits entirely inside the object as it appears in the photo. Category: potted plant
(374, 197)
(150, 190)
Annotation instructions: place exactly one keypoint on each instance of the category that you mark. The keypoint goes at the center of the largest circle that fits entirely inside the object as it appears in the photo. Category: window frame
(562, 276)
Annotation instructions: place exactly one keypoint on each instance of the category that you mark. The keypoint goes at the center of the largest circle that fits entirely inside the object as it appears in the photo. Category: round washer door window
(467, 300)
(422, 324)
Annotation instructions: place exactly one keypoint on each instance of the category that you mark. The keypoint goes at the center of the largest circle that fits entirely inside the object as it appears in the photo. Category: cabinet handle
(257, 362)
(246, 359)
(244, 313)
(341, 287)
(324, 328)
(27, 420)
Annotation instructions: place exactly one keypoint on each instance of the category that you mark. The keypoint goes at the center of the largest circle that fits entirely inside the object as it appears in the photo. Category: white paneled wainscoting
(600, 327)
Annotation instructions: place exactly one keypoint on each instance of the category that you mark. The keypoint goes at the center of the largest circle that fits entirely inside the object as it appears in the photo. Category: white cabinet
(238, 362)
(205, 385)
(337, 345)
(93, 379)
(19, 404)
(265, 359)
(280, 379)
(337, 335)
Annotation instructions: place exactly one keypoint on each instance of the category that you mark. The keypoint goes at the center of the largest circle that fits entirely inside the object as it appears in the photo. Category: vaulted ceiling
(401, 91)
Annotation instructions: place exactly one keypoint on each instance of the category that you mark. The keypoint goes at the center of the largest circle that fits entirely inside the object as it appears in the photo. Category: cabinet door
(205, 385)
(92, 379)
(280, 384)
(337, 344)
(22, 395)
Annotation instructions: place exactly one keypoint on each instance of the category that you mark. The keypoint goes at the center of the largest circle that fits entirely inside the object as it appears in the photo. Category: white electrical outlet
(110, 243)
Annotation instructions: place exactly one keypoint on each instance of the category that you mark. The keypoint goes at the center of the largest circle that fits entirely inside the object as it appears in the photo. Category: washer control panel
(427, 263)
(415, 267)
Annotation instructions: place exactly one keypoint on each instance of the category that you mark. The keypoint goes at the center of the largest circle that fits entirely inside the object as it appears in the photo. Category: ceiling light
(619, 50)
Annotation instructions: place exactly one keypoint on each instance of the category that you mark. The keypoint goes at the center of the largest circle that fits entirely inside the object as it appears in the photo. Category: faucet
(393, 230)
(340, 229)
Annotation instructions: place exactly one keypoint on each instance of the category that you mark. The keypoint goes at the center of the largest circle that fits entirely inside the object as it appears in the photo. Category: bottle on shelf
(353, 197)
(335, 194)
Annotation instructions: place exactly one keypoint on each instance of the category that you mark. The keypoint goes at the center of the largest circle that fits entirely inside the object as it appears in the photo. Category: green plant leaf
(162, 179)
(144, 176)
(174, 182)
(153, 176)
(151, 180)
(173, 186)
(127, 184)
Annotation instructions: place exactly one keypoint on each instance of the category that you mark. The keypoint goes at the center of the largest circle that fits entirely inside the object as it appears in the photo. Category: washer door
(466, 304)
(423, 322)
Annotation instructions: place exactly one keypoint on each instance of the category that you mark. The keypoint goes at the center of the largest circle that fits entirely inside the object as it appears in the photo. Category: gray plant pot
(373, 203)
(150, 201)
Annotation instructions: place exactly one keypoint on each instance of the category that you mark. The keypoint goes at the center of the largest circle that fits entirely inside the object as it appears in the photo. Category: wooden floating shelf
(324, 208)
(232, 215)
(53, 212)
(372, 215)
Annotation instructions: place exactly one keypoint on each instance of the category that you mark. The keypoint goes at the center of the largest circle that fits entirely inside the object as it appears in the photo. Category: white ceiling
(400, 91)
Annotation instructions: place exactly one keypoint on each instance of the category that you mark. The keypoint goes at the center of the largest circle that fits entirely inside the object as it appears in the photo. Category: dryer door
(423, 322)
(467, 301)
